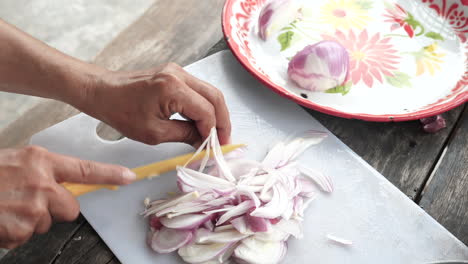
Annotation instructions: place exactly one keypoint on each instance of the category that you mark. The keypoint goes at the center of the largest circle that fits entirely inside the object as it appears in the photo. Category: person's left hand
(139, 105)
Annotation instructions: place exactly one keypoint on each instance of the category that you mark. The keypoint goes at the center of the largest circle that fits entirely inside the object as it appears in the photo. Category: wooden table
(432, 169)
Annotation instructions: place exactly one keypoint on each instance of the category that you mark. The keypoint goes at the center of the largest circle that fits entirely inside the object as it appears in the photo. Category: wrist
(81, 85)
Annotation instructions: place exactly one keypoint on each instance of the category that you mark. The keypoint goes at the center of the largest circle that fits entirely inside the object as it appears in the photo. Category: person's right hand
(31, 197)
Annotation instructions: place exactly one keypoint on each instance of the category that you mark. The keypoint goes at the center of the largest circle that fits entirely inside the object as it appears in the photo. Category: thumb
(69, 169)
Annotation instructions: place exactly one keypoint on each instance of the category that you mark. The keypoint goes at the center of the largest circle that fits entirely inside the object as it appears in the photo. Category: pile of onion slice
(233, 209)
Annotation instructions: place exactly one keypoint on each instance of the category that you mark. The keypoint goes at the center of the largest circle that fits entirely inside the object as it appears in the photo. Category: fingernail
(128, 175)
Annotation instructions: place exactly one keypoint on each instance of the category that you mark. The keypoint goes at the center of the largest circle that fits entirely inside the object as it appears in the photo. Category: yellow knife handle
(151, 170)
(78, 189)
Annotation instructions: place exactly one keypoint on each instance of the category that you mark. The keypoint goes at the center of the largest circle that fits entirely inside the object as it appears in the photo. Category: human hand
(31, 197)
(139, 105)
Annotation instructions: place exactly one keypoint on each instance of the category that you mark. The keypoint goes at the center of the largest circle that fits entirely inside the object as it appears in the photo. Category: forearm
(28, 66)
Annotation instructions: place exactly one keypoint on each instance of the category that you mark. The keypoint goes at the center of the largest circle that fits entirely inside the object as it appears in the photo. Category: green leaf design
(415, 24)
(399, 80)
(342, 89)
(285, 39)
(364, 4)
(434, 35)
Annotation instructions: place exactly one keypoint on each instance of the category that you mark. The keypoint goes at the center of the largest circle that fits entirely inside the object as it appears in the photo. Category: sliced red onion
(433, 124)
(292, 227)
(320, 67)
(256, 251)
(205, 236)
(209, 225)
(307, 187)
(240, 209)
(277, 14)
(296, 147)
(259, 180)
(257, 224)
(204, 182)
(185, 222)
(149, 236)
(198, 253)
(319, 178)
(224, 257)
(241, 167)
(274, 156)
(224, 228)
(274, 234)
(247, 199)
(276, 206)
(339, 240)
(240, 224)
(245, 190)
(183, 198)
(167, 240)
(154, 222)
(219, 158)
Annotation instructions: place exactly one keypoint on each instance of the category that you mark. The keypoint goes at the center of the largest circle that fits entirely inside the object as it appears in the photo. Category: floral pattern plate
(408, 58)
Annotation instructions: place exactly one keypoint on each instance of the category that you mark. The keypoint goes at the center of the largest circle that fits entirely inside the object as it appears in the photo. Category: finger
(69, 169)
(44, 223)
(179, 131)
(198, 109)
(216, 98)
(63, 207)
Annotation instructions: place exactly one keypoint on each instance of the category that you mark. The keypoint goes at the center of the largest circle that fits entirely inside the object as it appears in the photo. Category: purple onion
(277, 14)
(320, 67)
(433, 124)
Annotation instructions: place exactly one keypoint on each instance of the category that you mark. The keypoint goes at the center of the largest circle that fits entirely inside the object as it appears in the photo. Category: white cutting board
(385, 226)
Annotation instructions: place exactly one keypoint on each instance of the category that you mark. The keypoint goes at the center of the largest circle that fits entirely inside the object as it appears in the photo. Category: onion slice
(186, 222)
(339, 240)
(197, 253)
(167, 240)
(256, 251)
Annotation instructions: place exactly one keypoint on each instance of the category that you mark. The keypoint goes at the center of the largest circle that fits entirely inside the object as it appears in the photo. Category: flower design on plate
(371, 57)
(454, 12)
(346, 14)
(400, 18)
(428, 60)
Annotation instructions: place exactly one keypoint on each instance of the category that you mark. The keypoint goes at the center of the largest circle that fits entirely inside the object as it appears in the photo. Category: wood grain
(445, 196)
(85, 247)
(181, 32)
(44, 248)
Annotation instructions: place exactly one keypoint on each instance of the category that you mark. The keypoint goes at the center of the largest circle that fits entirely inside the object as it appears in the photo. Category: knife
(146, 171)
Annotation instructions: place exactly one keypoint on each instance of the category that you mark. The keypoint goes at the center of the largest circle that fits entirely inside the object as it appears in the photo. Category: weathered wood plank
(445, 196)
(44, 248)
(402, 152)
(84, 247)
(181, 32)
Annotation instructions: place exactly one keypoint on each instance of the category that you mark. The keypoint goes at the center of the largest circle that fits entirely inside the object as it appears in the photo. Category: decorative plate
(408, 58)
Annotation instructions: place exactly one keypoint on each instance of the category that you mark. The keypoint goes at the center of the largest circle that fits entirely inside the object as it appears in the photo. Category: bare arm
(137, 103)
(28, 66)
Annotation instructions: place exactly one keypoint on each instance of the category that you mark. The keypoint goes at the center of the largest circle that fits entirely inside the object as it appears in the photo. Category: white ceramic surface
(408, 58)
(385, 226)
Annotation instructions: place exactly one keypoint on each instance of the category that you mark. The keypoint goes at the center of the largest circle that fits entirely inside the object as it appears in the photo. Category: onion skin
(277, 14)
(320, 67)
(433, 124)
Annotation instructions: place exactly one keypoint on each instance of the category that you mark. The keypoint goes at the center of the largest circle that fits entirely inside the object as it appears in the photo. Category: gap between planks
(59, 252)
(425, 184)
